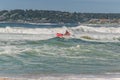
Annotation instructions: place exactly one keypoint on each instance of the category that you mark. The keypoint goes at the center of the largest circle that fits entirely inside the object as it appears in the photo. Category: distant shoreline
(50, 16)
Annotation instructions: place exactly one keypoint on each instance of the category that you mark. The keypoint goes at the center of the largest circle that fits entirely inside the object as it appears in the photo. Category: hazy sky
(96, 6)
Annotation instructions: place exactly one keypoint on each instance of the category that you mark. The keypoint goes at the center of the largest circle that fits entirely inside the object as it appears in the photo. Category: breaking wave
(80, 28)
(84, 32)
(33, 52)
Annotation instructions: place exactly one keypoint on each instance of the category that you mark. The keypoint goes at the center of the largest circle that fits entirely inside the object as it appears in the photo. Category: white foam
(96, 33)
(21, 30)
(67, 77)
(80, 28)
(98, 29)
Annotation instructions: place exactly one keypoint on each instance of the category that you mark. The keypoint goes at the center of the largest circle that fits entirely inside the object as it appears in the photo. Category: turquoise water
(58, 56)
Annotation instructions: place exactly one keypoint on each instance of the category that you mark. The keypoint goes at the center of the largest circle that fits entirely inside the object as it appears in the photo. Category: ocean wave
(98, 29)
(81, 28)
(83, 32)
(97, 33)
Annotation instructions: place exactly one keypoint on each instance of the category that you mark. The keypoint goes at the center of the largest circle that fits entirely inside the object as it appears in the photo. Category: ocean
(33, 52)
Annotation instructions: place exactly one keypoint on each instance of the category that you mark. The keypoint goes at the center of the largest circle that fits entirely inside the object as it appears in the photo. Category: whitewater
(33, 52)
(96, 33)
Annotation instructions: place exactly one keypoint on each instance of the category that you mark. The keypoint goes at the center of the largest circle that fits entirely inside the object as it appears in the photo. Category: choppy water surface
(36, 54)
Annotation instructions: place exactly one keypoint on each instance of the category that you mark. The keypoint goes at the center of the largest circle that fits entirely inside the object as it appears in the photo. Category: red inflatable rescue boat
(66, 34)
(60, 35)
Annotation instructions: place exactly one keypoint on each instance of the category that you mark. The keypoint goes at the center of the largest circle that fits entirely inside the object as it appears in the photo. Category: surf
(85, 32)
(32, 52)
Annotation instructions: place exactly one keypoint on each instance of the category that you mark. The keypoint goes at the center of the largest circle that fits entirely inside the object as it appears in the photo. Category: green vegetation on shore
(49, 16)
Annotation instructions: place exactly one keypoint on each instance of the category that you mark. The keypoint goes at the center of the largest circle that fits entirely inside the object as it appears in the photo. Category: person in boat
(60, 35)
(67, 33)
